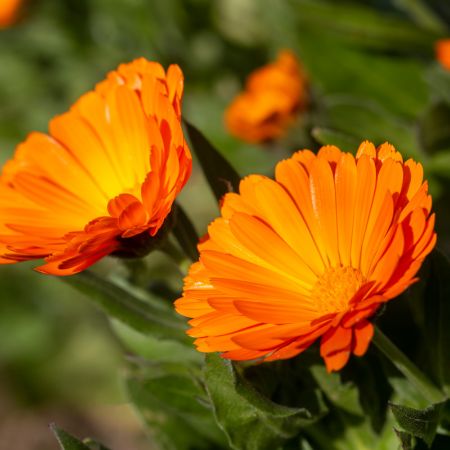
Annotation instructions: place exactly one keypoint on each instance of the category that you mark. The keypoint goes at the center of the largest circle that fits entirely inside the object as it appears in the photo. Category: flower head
(108, 171)
(272, 97)
(442, 48)
(311, 255)
(9, 10)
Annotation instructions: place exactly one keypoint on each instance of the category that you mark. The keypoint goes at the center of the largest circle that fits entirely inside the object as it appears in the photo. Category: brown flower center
(335, 288)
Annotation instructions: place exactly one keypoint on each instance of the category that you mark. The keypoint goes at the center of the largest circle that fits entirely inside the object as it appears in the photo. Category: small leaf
(127, 307)
(250, 420)
(406, 440)
(67, 441)
(221, 176)
(342, 394)
(94, 445)
(185, 233)
(420, 423)
(360, 389)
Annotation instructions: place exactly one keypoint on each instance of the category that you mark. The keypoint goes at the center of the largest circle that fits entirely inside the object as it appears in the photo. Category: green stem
(407, 368)
(175, 253)
(138, 271)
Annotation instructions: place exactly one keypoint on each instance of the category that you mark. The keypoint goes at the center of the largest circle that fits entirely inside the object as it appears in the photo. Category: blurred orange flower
(8, 12)
(108, 171)
(310, 255)
(273, 95)
(442, 48)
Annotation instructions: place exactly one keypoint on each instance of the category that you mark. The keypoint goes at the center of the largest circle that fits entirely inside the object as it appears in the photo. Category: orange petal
(336, 361)
(363, 333)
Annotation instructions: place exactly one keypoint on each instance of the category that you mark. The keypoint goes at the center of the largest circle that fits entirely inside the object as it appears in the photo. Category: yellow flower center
(335, 288)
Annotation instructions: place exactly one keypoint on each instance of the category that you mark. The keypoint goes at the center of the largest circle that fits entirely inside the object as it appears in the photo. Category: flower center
(335, 288)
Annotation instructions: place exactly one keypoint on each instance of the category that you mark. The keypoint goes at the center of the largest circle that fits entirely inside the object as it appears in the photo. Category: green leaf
(422, 14)
(221, 176)
(341, 430)
(185, 233)
(156, 349)
(328, 136)
(437, 319)
(363, 120)
(439, 164)
(423, 384)
(438, 80)
(405, 392)
(342, 394)
(360, 389)
(420, 423)
(434, 130)
(357, 24)
(381, 80)
(116, 301)
(406, 439)
(175, 408)
(250, 420)
(66, 441)
(94, 445)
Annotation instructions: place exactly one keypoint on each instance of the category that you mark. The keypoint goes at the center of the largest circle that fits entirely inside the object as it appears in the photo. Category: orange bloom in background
(9, 10)
(273, 96)
(109, 170)
(311, 255)
(442, 48)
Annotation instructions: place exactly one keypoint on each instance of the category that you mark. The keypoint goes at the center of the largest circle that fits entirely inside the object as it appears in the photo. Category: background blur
(372, 73)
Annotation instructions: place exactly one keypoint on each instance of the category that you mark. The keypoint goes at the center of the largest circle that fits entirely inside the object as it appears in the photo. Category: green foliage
(372, 75)
(66, 441)
(172, 403)
(250, 420)
(94, 445)
(406, 440)
(344, 141)
(419, 423)
(437, 319)
(360, 25)
(185, 233)
(439, 83)
(221, 176)
(151, 316)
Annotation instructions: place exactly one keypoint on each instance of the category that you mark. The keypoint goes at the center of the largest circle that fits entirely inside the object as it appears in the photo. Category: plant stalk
(407, 368)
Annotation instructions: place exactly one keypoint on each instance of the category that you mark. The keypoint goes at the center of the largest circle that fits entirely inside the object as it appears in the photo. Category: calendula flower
(442, 48)
(273, 96)
(9, 10)
(311, 255)
(104, 177)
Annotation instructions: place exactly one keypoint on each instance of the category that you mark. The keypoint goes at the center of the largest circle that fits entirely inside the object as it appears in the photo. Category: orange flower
(310, 255)
(9, 10)
(442, 48)
(273, 95)
(105, 176)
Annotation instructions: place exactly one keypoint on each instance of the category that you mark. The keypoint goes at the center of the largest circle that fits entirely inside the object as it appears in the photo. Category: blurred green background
(372, 73)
